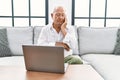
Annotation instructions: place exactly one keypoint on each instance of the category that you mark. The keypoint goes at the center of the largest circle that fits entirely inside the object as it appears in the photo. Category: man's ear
(52, 15)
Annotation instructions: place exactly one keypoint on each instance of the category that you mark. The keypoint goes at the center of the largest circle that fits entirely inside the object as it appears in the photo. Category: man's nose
(61, 16)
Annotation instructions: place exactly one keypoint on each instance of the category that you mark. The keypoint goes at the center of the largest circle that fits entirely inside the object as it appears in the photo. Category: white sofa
(95, 45)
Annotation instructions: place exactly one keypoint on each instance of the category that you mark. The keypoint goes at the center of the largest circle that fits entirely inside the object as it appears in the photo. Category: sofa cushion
(12, 61)
(107, 65)
(17, 36)
(37, 30)
(117, 46)
(97, 40)
(4, 45)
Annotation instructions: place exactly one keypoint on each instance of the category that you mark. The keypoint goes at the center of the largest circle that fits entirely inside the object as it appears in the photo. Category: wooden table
(74, 72)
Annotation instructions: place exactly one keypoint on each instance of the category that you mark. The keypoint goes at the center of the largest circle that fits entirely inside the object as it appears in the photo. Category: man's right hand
(63, 45)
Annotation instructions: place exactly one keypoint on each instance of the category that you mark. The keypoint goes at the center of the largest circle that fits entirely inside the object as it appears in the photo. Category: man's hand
(63, 26)
(63, 45)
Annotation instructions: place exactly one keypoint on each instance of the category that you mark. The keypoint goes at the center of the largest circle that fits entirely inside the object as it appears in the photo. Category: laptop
(44, 58)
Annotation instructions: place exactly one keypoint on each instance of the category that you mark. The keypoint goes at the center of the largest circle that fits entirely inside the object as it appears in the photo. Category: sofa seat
(107, 65)
(13, 60)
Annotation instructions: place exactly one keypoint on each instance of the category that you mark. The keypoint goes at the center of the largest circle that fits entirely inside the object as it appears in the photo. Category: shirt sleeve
(42, 40)
(70, 39)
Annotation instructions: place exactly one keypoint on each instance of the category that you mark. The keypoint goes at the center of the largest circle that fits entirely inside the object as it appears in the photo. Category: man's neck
(57, 27)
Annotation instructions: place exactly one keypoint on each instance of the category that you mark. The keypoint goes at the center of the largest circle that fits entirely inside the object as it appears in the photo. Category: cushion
(71, 59)
(18, 36)
(117, 46)
(97, 40)
(4, 45)
(107, 65)
(37, 30)
(12, 61)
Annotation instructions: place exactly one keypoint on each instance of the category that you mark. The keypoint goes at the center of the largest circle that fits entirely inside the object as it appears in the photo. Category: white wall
(67, 4)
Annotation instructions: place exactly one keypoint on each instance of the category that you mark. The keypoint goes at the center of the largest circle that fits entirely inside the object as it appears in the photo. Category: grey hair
(61, 7)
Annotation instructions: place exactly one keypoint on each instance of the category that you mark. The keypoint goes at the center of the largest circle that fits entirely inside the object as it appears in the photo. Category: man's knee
(73, 60)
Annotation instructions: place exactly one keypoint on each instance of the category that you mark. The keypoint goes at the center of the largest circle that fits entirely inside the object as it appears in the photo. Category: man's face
(58, 17)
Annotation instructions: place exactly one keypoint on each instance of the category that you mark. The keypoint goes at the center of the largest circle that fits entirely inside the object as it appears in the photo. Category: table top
(74, 72)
